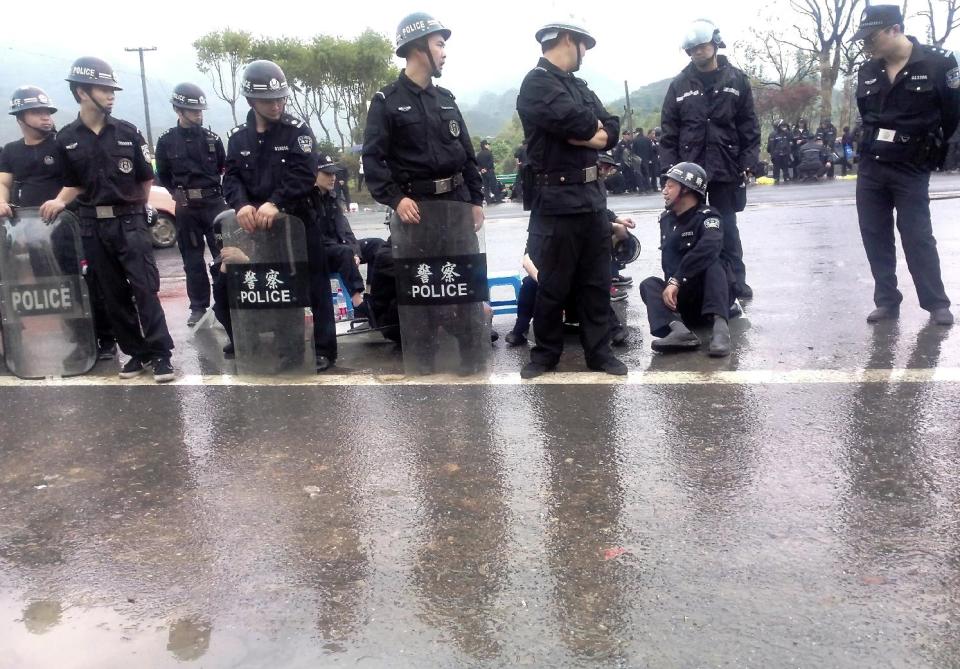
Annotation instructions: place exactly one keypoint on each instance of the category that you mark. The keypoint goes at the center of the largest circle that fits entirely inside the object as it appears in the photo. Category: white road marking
(638, 378)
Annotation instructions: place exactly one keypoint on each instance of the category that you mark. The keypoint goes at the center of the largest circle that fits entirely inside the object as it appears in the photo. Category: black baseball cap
(877, 17)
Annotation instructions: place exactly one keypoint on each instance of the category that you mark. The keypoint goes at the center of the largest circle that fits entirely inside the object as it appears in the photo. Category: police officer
(107, 170)
(271, 169)
(801, 135)
(908, 95)
(696, 283)
(339, 242)
(780, 148)
(190, 160)
(565, 126)
(416, 145)
(488, 171)
(708, 118)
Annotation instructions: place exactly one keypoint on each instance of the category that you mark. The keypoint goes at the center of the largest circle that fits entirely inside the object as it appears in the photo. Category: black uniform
(690, 246)
(485, 162)
(568, 202)
(278, 166)
(829, 134)
(340, 244)
(708, 118)
(800, 137)
(780, 148)
(905, 128)
(111, 168)
(189, 164)
(37, 171)
(415, 136)
(643, 150)
(813, 160)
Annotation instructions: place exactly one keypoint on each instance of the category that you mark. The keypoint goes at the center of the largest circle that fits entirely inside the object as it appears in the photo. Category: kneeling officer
(696, 284)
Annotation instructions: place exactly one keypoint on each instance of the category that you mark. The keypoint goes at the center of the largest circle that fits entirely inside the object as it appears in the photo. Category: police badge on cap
(877, 17)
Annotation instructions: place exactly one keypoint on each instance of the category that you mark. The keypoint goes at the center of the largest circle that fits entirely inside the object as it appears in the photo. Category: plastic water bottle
(341, 305)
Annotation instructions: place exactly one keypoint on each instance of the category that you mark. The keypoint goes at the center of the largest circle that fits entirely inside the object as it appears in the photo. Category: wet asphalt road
(780, 508)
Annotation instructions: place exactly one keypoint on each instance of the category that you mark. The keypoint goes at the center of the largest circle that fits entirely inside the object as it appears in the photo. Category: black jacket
(277, 166)
(555, 106)
(716, 128)
(911, 119)
(689, 243)
(189, 158)
(417, 134)
(334, 226)
(485, 160)
(814, 155)
(829, 134)
(780, 144)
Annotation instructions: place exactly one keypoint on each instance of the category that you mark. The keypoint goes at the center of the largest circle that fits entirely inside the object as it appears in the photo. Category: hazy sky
(491, 48)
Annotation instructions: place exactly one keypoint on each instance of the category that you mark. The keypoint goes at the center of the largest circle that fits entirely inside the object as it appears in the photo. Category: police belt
(584, 176)
(111, 211)
(195, 194)
(432, 187)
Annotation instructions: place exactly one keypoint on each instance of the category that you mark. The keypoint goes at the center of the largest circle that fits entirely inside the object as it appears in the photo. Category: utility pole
(627, 110)
(143, 83)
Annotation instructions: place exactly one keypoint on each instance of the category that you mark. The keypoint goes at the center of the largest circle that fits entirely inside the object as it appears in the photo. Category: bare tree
(947, 9)
(821, 30)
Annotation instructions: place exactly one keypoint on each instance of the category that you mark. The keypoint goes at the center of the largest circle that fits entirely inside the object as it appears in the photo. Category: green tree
(222, 55)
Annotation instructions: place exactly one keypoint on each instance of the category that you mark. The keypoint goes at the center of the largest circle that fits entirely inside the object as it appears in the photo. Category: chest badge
(125, 165)
(404, 108)
(244, 153)
(48, 160)
(71, 147)
(870, 82)
(454, 129)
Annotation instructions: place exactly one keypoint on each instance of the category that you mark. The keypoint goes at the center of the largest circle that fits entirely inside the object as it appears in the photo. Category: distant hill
(645, 100)
(491, 113)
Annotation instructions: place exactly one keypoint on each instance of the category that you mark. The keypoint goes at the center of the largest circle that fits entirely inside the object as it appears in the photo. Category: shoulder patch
(446, 92)
(712, 223)
(234, 131)
(953, 78)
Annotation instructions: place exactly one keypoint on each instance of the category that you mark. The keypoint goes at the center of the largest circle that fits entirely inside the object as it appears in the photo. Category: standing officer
(909, 99)
(488, 171)
(271, 169)
(565, 126)
(780, 148)
(31, 173)
(708, 118)
(696, 284)
(190, 160)
(107, 170)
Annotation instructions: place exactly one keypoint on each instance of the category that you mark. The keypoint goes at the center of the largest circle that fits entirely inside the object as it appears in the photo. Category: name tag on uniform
(884, 135)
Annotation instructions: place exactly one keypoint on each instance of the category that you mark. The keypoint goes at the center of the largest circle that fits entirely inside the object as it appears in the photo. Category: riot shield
(47, 319)
(268, 281)
(441, 274)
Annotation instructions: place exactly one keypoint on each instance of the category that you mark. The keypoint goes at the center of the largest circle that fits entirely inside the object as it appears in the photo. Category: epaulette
(164, 134)
(234, 131)
(210, 133)
(386, 91)
(938, 51)
(707, 210)
(446, 92)
(292, 120)
(127, 125)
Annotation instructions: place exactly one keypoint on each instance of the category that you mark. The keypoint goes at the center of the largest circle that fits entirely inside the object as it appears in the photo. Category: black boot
(720, 339)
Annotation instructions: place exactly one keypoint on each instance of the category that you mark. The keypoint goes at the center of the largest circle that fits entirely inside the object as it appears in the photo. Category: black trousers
(194, 233)
(811, 171)
(340, 260)
(698, 300)
(573, 262)
(527, 299)
(321, 302)
(126, 272)
(881, 188)
(722, 196)
(781, 164)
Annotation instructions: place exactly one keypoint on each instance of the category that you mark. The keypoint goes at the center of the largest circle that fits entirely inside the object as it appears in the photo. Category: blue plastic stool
(504, 306)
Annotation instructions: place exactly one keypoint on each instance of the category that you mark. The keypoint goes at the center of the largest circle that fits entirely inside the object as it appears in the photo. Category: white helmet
(570, 24)
(702, 31)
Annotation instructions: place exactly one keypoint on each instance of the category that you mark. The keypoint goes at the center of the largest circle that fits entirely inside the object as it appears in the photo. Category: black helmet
(30, 97)
(690, 175)
(625, 251)
(607, 159)
(94, 72)
(415, 26)
(700, 32)
(264, 80)
(189, 96)
(552, 30)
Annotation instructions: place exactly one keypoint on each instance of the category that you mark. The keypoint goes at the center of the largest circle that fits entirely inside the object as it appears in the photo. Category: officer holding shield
(271, 169)
(908, 95)
(107, 170)
(190, 160)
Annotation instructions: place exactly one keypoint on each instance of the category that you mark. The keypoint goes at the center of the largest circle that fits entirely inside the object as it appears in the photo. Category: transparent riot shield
(269, 287)
(47, 319)
(441, 274)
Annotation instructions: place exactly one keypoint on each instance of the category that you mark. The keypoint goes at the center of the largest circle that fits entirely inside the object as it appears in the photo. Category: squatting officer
(565, 126)
(697, 281)
(271, 168)
(190, 160)
(107, 170)
(708, 118)
(908, 95)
